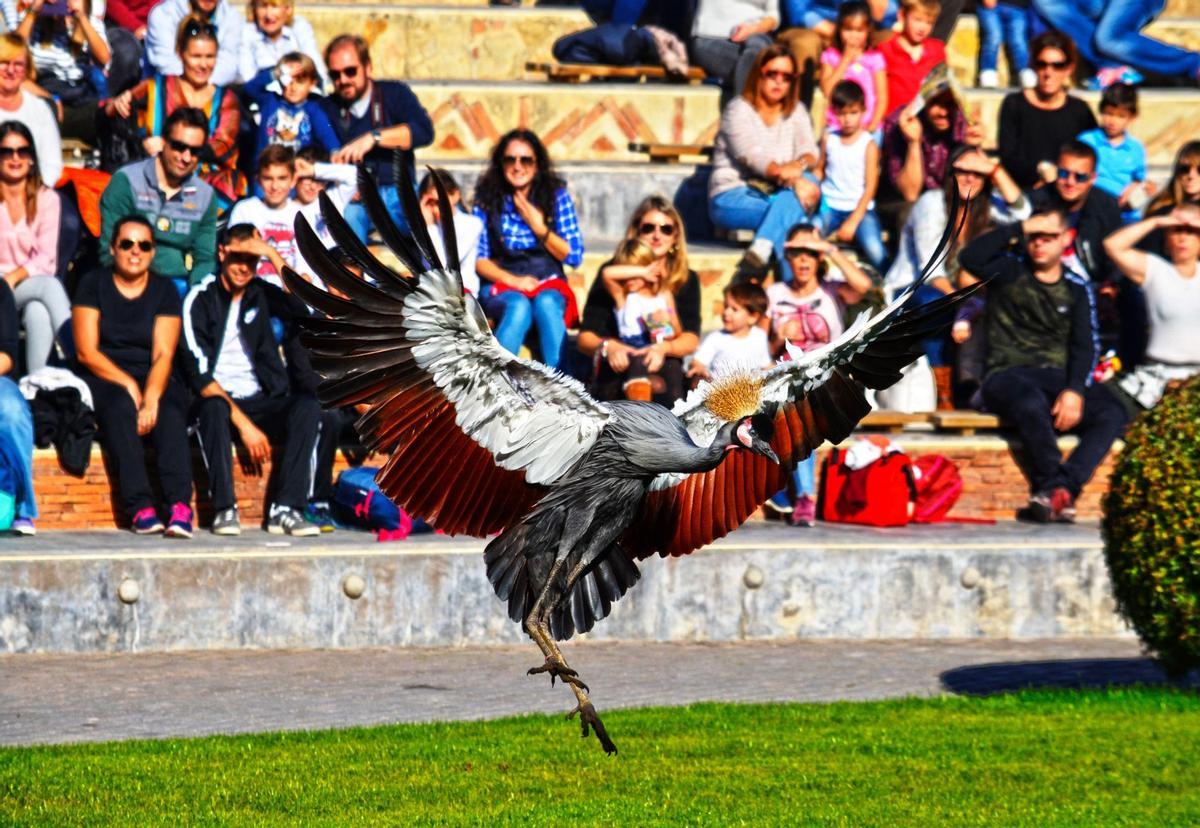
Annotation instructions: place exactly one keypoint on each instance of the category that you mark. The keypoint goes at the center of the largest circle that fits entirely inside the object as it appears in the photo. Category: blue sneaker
(318, 514)
(780, 503)
(146, 522)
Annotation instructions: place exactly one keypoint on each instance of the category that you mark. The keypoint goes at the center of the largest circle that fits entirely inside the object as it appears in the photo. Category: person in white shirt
(273, 214)
(276, 31)
(741, 343)
(467, 227)
(162, 26)
(16, 104)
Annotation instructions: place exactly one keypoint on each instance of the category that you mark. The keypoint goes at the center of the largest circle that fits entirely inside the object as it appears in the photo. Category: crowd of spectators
(218, 131)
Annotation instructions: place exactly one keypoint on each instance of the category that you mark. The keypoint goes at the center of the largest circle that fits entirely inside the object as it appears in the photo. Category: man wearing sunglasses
(180, 206)
(371, 118)
(1041, 351)
(162, 26)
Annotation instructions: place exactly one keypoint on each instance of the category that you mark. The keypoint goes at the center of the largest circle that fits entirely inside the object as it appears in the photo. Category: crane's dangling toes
(557, 668)
(588, 717)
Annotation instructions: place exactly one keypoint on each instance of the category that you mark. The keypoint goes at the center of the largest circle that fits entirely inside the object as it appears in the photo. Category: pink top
(33, 246)
(862, 72)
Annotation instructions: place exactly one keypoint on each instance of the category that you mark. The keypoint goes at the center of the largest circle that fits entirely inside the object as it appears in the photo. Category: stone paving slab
(60, 699)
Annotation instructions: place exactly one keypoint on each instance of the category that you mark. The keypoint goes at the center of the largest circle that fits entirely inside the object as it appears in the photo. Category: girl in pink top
(849, 58)
(29, 244)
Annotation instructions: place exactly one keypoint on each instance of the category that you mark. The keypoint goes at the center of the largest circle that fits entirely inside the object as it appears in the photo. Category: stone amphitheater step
(596, 121)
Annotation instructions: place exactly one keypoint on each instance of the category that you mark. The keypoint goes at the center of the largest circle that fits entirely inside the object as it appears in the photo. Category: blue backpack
(358, 500)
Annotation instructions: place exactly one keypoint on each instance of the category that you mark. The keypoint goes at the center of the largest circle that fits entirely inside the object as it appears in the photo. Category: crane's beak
(760, 446)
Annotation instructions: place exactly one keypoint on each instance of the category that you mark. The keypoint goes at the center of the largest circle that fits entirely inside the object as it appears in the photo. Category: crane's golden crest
(735, 394)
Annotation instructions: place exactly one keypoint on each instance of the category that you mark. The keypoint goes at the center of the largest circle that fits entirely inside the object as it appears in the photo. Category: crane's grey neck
(707, 458)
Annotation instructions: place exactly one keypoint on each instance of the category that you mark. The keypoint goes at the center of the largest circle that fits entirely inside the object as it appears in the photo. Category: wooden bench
(584, 72)
(965, 422)
(673, 153)
(893, 422)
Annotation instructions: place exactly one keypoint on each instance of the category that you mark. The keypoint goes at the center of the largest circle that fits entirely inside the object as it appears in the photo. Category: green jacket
(185, 225)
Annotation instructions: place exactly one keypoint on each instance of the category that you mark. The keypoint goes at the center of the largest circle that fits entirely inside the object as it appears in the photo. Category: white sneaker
(1028, 78)
(989, 79)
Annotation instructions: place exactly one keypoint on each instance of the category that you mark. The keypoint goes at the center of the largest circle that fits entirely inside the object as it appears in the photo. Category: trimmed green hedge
(1152, 529)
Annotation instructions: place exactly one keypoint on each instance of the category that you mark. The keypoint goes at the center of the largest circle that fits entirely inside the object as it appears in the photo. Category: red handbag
(938, 485)
(881, 494)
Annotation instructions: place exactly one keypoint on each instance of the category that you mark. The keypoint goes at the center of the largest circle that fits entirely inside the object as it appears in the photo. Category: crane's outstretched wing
(474, 433)
(816, 397)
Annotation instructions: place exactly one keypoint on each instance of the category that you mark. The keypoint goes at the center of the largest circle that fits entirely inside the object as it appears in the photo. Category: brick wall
(994, 486)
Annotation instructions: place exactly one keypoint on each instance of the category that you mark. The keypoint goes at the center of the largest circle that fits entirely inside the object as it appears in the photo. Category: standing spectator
(16, 68)
(912, 53)
(656, 223)
(468, 228)
(851, 58)
(16, 422)
(288, 116)
(70, 53)
(233, 365)
(162, 37)
(1040, 356)
(371, 118)
(181, 209)
(530, 232)
(29, 245)
(273, 214)
(1004, 23)
(154, 99)
(917, 145)
(1035, 122)
(764, 152)
(126, 325)
(727, 36)
(277, 32)
(1120, 158)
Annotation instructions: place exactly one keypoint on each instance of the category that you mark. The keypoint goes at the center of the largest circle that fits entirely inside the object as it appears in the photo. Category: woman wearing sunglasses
(530, 233)
(153, 100)
(658, 225)
(29, 245)
(1035, 122)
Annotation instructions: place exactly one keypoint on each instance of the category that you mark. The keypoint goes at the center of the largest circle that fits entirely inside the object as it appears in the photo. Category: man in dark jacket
(1041, 353)
(233, 365)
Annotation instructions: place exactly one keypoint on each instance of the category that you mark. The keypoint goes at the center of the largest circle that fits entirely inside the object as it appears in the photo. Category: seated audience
(315, 175)
(1183, 188)
(657, 224)
(1040, 356)
(1120, 158)
(1035, 123)
(277, 32)
(741, 343)
(273, 214)
(126, 325)
(917, 145)
(814, 29)
(180, 207)
(913, 52)
(849, 173)
(1172, 298)
(530, 233)
(154, 99)
(468, 228)
(851, 58)
(162, 37)
(727, 36)
(764, 152)
(29, 245)
(371, 119)
(233, 365)
(807, 311)
(127, 27)
(288, 116)
(70, 53)
(16, 104)
(16, 422)
(1004, 23)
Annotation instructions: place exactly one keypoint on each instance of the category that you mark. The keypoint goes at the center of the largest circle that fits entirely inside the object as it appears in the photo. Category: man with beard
(371, 118)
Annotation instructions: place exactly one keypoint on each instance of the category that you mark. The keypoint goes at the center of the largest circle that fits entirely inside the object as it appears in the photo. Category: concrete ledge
(766, 582)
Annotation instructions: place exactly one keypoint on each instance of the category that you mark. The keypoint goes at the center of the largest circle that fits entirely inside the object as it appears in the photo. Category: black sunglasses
(144, 245)
(519, 160)
(665, 229)
(183, 146)
(16, 152)
(194, 29)
(1183, 169)
(796, 252)
(1073, 176)
(348, 72)
(1051, 64)
(1033, 237)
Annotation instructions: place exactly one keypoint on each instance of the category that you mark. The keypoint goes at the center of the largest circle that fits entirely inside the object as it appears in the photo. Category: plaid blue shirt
(517, 236)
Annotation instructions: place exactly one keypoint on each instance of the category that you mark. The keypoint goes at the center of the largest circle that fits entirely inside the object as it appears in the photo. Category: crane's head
(749, 434)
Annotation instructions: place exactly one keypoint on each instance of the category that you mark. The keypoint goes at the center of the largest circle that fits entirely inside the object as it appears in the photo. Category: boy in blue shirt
(1120, 158)
(287, 116)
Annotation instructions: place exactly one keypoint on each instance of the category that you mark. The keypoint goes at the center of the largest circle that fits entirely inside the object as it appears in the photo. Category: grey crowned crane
(483, 442)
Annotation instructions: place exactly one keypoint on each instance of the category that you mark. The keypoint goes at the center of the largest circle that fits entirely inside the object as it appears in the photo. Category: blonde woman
(276, 31)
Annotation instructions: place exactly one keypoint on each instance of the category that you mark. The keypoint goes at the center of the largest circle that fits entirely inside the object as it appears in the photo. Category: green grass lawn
(1122, 757)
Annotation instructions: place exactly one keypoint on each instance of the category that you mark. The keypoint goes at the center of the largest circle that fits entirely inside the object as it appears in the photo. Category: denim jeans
(621, 12)
(16, 445)
(804, 476)
(868, 236)
(770, 216)
(809, 13)
(516, 313)
(1109, 32)
(1003, 25)
(935, 346)
(356, 214)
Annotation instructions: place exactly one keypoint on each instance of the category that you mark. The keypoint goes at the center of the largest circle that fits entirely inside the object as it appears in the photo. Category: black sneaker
(285, 520)
(226, 522)
(319, 515)
(1039, 510)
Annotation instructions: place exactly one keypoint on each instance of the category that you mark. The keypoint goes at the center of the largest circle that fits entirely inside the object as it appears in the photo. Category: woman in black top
(126, 325)
(658, 224)
(1035, 123)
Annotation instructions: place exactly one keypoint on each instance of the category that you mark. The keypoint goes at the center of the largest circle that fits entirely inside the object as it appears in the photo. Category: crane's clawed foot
(588, 718)
(558, 669)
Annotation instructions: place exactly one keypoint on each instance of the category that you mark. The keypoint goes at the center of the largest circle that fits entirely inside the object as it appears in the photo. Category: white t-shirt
(277, 226)
(639, 316)
(1172, 308)
(233, 370)
(722, 351)
(467, 229)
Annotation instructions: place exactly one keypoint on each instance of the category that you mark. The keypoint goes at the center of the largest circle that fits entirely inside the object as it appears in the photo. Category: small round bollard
(353, 586)
(129, 591)
(753, 578)
(970, 578)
